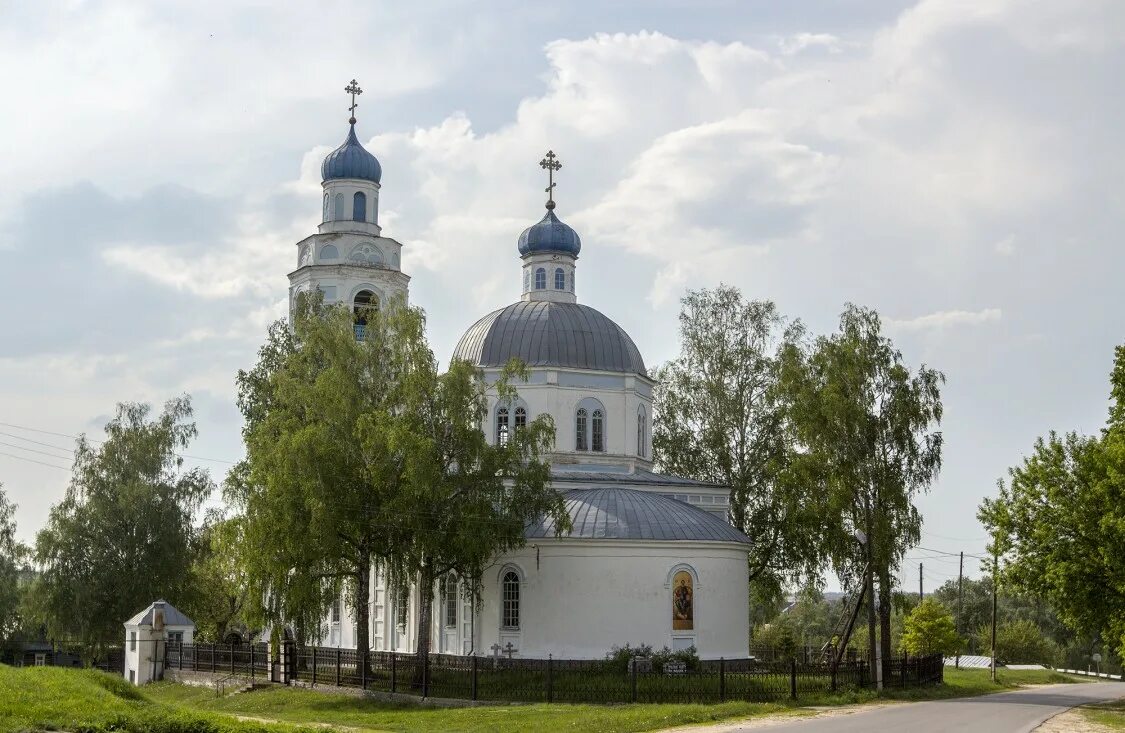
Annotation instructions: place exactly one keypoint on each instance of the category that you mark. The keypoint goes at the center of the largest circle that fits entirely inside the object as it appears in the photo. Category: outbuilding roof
(628, 514)
(172, 616)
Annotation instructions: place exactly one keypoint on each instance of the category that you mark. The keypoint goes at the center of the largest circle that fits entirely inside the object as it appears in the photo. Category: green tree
(219, 584)
(13, 559)
(319, 471)
(1023, 642)
(866, 426)
(719, 418)
(929, 629)
(1059, 523)
(122, 536)
(461, 500)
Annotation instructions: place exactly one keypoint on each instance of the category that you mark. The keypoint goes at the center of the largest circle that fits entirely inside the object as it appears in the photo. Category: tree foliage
(220, 586)
(929, 629)
(719, 417)
(866, 426)
(13, 559)
(1059, 523)
(122, 536)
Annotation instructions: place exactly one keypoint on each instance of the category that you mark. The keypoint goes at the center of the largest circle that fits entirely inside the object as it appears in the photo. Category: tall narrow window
(502, 426)
(572, 281)
(402, 607)
(511, 595)
(325, 208)
(597, 434)
(451, 601)
(580, 429)
(521, 418)
(363, 302)
(336, 611)
(560, 279)
(641, 442)
(338, 207)
(540, 279)
(359, 206)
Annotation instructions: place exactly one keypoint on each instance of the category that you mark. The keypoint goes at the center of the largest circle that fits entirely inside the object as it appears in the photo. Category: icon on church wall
(683, 602)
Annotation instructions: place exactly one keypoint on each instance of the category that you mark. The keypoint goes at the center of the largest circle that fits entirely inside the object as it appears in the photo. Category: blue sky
(954, 164)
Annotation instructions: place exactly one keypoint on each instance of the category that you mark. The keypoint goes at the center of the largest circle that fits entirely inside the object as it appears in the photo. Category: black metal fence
(111, 659)
(551, 680)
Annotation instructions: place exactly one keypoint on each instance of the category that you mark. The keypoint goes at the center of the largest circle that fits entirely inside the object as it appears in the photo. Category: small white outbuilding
(147, 636)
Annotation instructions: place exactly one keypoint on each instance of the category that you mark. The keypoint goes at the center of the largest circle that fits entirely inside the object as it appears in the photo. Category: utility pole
(919, 582)
(960, 580)
(995, 560)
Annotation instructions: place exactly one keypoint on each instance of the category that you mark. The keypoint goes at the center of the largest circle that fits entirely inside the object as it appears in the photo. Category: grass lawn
(45, 698)
(85, 700)
(306, 706)
(1110, 714)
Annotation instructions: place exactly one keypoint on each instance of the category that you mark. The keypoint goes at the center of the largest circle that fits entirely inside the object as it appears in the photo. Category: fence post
(212, 658)
(722, 679)
(362, 662)
(904, 662)
(793, 678)
(426, 677)
(251, 662)
(180, 660)
(194, 660)
(313, 652)
(394, 671)
(633, 673)
(550, 678)
(232, 657)
(832, 666)
(474, 676)
(337, 666)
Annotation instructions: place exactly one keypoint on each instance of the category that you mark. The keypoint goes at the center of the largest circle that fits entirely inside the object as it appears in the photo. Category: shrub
(617, 658)
(1023, 642)
(929, 629)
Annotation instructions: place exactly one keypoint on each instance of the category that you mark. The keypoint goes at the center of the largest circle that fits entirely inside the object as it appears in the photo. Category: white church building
(651, 558)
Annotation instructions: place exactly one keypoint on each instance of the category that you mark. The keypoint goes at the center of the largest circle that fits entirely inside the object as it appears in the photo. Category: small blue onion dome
(550, 235)
(351, 160)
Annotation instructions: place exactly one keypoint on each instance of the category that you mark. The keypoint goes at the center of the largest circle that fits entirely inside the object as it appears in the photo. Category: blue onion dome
(351, 160)
(550, 234)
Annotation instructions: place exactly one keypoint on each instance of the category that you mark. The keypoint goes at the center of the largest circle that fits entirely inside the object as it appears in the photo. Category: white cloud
(1007, 245)
(945, 319)
(791, 45)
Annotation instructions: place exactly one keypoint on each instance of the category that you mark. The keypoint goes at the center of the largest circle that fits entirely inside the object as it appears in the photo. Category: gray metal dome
(547, 334)
(628, 514)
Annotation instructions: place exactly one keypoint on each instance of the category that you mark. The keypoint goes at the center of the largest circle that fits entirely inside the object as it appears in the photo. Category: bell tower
(348, 259)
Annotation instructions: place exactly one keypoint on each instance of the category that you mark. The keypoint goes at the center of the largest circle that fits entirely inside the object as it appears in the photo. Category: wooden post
(960, 583)
(474, 676)
(633, 674)
(992, 666)
(337, 666)
(550, 678)
(394, 672)
(722, 679)
(793, 679)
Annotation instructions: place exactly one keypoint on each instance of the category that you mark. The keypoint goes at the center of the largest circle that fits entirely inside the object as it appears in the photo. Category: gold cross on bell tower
(550, 163)
(353, 89)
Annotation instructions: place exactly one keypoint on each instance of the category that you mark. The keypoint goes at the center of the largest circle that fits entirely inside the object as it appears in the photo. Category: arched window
(329, 252)
(597, 433)
(560, 279)
(502, 426)
(338, 207)
(450, 593)
(683, 601)
(510, 593)
(580, 429)
(359, 206)
(540, 279)
(521, 418)
(641, 442)
(364, 300)
(325, 208)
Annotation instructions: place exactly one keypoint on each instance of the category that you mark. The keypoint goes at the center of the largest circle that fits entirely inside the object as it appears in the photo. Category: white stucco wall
(586, 596)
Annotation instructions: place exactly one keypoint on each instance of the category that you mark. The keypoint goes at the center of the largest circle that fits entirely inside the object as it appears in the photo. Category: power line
(92, 440)
(32, 450)
(37, 442)
(32, 460)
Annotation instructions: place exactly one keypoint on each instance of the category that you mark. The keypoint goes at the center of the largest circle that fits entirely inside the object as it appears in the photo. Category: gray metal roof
(628, 514)
(636, 476)
(172, 616)
(546, 334)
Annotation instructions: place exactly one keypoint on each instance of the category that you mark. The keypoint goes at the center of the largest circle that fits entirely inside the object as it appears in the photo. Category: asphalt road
(1005, 712)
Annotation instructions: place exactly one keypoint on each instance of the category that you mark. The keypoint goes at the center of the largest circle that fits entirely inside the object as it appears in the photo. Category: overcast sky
(956, 165)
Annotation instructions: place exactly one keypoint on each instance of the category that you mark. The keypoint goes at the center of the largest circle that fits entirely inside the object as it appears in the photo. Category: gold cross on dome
(353, 89)
(550, 163)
